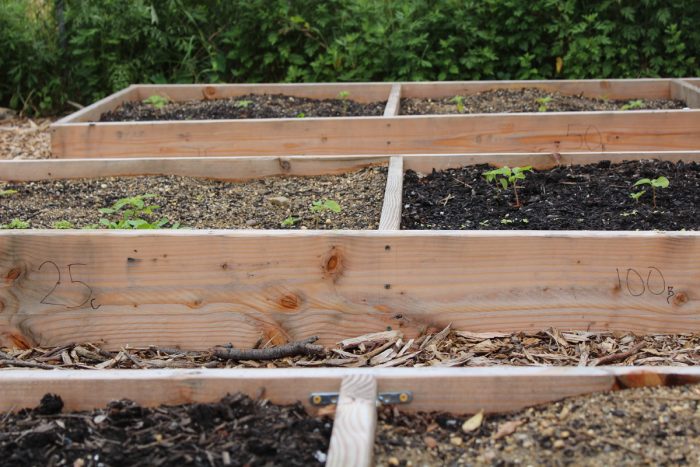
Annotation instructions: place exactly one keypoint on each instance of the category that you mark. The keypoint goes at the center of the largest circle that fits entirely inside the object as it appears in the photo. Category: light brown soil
(25, 139)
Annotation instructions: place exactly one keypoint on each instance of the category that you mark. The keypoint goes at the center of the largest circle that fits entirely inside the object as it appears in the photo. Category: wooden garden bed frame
(203, 287)
(79, 136)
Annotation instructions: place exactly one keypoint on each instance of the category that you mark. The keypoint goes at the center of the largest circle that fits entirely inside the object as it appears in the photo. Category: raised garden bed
(199, 288)
(83, 135)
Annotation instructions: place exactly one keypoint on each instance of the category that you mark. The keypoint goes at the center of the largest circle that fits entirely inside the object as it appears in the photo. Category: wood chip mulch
(448, 348)
(25, 139)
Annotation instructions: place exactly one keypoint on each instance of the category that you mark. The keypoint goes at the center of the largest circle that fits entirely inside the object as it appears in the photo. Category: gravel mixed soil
(655, 426)
(526, 100)
(202, 203)
(22, 138)
(237, 431)
(589, 197)
(447, 348)
(248, 106)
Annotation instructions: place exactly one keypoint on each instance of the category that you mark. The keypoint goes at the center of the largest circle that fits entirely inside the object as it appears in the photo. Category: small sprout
(543, 101)
(243, 104)
(7, 192)
(484, 223)
(301, 115)
(524, 221)
(15, 224)
(318, 207)
(343, 96)
(156, 101)
(131, 217)
(505, 220)
(654, 183)
(62, 224)
(290, 221)
(629, 213)
(633, 105)
(508, 177)
(459, 101)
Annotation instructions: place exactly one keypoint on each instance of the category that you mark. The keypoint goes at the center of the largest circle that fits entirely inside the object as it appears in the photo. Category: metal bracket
(319, 399)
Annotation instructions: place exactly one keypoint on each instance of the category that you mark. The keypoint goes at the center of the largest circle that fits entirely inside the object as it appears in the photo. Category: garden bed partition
(81, 135)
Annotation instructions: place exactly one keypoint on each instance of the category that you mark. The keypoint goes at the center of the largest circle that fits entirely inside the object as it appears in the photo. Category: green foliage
(633, 105)
(325, 205)
(8, 192)
(62, 224)
(290, 221)
(301, 115)
(543, 101)
(112, 43)
(15, 224)
(459, 102)
(243, 103)
(658, 182)
(129, 213)
(156, 101)
(508, 177)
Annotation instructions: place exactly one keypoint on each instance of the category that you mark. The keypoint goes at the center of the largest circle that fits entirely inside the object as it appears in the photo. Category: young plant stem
(653, 196)
(517, 199)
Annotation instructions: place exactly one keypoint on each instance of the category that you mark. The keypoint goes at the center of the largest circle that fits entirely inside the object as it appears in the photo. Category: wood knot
(290, 301)
(13, 274)
(209, 92)
(680, 298)
(332, 264)
(285, 165)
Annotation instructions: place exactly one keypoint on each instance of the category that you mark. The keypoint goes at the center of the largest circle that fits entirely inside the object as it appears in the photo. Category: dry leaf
(507, 428)
(474, 422)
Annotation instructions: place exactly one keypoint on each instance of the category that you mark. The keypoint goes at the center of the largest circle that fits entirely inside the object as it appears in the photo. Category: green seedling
(318, 207)
(130, 213)
(633, 105)
(15, 224)
(459, 101)
(243, 104)
(301, 115)
(7, 192)
(343, 96)
(508, 177)
(654, 183)
(290, 221)
(156, 101)
(543, 101)
(62, 224)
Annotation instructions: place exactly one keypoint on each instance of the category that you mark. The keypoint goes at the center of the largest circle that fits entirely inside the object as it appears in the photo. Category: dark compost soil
(248, 106)
(647, 426)
(236, 431)
(590, 197)
(527, 100)
(202, 203)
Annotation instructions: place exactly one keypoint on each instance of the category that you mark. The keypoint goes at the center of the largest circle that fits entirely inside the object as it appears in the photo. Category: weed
(633, 105)
(654, 183)
(290, 221)
(543, 101)
(317, 207)
(508, 177)
(132, 216)
(62, 224)
(156, 101)
(7, 192)
(343, 96)
(15, 224)
(243, 104)
(301, 115)
(459, 101)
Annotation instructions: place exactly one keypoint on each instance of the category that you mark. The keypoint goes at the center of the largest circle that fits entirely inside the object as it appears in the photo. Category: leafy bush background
(109, 44)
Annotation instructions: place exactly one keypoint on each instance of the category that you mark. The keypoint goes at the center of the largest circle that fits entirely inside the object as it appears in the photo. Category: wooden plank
(360, 92)
(199, 288)
(426, 163)
(622, 89)
(394, 101)
(352, 440)
(652, 130)
(456, 390)
(220, 168)
(686, 92)
(93, 112)
(391, 209)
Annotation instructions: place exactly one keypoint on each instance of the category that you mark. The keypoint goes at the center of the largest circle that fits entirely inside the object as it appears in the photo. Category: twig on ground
(291, 349)
(619, 356)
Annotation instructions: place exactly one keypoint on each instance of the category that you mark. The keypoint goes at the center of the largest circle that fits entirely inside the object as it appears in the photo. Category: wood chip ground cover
(526, 100)
(588, 197)
(248, 106)
(447, 348)
(201, 203)
(236, 431)
(646, 426)
(25, 139)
